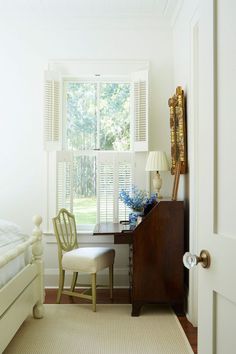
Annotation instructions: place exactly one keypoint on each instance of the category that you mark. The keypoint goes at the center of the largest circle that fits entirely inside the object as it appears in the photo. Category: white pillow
(8, 227)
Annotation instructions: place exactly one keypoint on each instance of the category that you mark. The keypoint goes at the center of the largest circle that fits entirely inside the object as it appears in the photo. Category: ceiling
(160, 9)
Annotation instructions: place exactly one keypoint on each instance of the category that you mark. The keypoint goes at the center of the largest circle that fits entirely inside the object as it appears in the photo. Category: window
(97, 119)
(94, 126)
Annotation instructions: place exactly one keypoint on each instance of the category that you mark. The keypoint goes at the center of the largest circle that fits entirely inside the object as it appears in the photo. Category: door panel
(217, 175)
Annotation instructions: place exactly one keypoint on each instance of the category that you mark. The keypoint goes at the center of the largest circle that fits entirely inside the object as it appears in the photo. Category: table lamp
(157, 161)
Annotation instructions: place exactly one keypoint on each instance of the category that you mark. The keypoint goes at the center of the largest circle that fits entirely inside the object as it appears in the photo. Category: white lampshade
(157, 161)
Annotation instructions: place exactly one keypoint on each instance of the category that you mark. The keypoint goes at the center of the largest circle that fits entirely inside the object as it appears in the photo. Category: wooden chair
(84, 260)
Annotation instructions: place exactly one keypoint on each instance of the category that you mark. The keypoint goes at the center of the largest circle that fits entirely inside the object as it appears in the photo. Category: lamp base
(157, 183)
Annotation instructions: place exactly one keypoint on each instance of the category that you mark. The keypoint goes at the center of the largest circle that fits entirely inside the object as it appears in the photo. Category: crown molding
(123, 14)
(80, 23)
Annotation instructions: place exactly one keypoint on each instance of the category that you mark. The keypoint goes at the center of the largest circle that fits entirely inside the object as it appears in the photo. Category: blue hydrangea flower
(137, 200)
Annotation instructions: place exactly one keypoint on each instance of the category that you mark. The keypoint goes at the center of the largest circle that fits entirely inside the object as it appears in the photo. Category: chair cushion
(88, 259)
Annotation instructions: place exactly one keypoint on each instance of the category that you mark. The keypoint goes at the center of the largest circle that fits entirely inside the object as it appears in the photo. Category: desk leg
(136, 307)
(130, 270)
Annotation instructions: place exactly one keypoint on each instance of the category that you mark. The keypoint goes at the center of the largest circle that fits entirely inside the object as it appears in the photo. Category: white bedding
(10, 237)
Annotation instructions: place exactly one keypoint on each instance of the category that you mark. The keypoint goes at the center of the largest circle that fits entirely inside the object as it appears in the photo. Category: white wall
(27, 44)
(185, 76)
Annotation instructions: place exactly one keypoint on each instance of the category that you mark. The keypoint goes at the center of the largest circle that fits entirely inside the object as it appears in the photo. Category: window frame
(95, 152)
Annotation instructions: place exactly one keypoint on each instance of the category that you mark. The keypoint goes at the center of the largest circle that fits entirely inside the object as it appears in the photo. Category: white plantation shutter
(105, 187)
(140, 110)
(52, 112)
(115, 172)
(64, 198)
(125, 183)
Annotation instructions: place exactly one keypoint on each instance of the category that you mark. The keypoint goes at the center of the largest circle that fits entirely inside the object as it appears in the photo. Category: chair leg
(94, 291)
(74, 280)
(61, 285)
(111, 279)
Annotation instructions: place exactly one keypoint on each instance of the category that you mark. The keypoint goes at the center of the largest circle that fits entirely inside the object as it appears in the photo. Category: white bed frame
(25, 292)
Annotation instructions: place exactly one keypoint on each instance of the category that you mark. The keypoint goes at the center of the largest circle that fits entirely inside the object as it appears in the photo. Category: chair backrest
(65, 230)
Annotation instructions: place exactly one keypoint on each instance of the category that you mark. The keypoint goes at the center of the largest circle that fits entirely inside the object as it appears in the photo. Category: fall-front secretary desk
(157, 274)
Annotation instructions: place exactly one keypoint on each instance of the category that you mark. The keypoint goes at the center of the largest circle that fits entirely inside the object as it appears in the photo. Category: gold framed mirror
(178, 131)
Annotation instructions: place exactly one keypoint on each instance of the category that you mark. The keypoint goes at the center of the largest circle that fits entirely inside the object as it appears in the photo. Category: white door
(217, 176)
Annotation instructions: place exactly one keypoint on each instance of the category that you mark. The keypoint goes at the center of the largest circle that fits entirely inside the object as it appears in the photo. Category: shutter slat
(64, 180)
(115, 173)
(106, 191)
(125, 183)
(140, 95)
(51, 111)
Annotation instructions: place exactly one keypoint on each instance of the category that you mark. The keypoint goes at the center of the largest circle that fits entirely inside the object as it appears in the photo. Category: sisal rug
(76, 329)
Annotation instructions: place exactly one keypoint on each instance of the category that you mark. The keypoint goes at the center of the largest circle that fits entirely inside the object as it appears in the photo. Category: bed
(21, 278)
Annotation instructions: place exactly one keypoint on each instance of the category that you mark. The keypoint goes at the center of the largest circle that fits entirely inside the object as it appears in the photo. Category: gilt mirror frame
(178, 131)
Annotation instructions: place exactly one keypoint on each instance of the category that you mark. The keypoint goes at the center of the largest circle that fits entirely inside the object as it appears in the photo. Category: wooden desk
(157, 243)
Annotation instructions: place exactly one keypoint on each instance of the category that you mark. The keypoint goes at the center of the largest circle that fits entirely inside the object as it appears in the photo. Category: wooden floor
(121, 296)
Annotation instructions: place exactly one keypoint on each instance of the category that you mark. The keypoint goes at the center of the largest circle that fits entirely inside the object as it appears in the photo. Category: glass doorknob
(191, 260)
